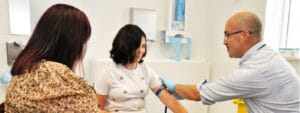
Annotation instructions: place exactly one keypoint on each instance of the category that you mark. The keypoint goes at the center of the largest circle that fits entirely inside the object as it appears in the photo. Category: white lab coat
(265, 80)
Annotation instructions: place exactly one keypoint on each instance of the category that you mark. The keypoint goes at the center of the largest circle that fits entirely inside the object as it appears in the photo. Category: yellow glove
(241, 105)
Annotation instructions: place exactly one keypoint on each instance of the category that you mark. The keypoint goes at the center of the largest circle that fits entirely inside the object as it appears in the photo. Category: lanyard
(166, 109)
(261, 47)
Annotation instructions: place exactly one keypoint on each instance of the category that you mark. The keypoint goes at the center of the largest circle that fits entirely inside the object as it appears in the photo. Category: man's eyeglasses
(233, 33)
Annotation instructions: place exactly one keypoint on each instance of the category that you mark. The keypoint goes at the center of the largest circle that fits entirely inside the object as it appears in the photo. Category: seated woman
(43, 74)
(123, 85)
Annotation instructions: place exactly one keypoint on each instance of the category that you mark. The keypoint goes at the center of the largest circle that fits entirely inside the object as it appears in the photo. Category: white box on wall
(146, 19)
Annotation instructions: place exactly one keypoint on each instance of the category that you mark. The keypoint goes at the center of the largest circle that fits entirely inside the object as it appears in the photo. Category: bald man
(264, 79)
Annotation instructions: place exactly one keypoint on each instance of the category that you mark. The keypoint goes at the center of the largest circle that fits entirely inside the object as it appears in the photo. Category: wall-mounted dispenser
(177, 39)
(13, 49)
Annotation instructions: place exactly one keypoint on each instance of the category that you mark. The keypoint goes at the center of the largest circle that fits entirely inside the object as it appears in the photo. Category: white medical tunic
(264, 79)
(126, 89)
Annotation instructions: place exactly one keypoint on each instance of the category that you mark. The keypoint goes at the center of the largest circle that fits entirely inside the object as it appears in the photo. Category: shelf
(292, 58)
(290, 54)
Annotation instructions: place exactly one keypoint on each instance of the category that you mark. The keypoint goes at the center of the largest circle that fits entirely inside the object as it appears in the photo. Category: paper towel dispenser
(13, 49)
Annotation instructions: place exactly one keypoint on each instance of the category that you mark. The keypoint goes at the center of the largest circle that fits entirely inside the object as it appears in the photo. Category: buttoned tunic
(126, 89)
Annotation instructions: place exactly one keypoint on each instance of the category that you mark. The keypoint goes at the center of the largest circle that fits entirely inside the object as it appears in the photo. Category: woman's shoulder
(111, 67)
(53, 64)
(56, 69)
(145, 67)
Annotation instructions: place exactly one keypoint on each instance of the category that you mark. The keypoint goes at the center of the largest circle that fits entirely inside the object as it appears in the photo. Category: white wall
(296, 65)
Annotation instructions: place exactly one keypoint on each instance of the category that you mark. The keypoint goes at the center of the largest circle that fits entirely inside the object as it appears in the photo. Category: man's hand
(170, 87)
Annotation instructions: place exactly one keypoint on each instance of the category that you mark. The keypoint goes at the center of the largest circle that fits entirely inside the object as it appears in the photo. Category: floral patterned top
(51, 87)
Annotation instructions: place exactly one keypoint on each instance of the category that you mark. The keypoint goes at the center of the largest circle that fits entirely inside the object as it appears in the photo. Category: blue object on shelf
(180, 10)
(178, 20)
(176, 43)
(5, 77)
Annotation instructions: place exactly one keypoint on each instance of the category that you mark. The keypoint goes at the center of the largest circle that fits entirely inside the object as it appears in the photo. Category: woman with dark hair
(44, 78)
(123, 85)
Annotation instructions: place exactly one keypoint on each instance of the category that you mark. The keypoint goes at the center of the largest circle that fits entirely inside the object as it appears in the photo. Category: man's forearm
(188, 92)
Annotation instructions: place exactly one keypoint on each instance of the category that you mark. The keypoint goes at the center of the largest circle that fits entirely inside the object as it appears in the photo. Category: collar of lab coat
(248, 54)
